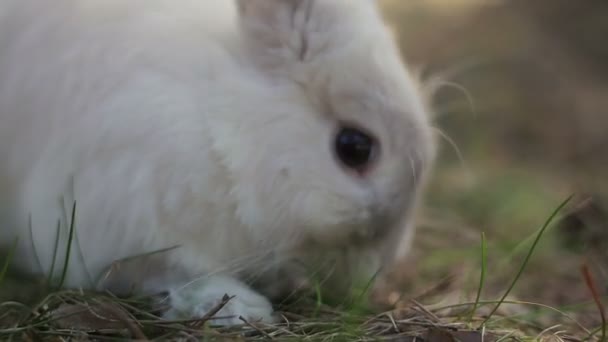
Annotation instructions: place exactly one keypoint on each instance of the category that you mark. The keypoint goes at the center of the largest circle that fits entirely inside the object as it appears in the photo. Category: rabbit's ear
(283, 32)
(277, 29)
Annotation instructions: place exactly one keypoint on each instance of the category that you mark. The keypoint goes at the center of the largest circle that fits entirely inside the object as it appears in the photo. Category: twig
(591, 284)
(199, 322)
(425, 311)
(123, 316)
(256, 328)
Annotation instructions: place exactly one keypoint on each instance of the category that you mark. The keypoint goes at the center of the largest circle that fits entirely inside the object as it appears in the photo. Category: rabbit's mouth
(375, 228)
(368, 233)
(355, 235)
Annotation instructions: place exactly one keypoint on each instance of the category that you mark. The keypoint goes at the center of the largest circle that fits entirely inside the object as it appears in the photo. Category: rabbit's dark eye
(354, 148)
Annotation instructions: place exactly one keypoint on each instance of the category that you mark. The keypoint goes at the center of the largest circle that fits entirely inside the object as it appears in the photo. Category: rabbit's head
(336, 142)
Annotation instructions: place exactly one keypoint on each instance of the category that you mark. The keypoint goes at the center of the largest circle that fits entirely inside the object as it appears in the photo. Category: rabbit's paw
(199, 298)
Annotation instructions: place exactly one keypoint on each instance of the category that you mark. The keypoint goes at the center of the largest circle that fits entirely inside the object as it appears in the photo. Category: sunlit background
(525, 124)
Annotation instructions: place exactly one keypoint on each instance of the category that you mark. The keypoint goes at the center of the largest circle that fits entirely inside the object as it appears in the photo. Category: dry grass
(389, 315)
(74, 315)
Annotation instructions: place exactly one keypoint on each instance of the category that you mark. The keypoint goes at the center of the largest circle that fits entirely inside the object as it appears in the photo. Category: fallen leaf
(90, 318)
(443, 335)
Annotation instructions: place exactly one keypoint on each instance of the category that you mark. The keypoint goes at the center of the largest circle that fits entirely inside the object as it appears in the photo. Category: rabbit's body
(201, 132)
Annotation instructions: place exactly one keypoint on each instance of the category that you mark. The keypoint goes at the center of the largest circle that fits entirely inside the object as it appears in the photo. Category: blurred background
(524, 124)
(524, 117)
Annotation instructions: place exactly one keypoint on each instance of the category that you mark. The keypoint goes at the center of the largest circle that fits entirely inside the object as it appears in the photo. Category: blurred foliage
(526, 104)
(536, 71)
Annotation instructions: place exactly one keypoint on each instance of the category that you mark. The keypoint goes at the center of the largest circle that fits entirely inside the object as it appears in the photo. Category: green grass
(527, 259)
(68, 252)
(7, 260)
(111, 318)
(482, 274)
(495, 273)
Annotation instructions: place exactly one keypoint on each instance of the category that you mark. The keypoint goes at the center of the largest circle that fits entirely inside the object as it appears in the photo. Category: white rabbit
(210, 146)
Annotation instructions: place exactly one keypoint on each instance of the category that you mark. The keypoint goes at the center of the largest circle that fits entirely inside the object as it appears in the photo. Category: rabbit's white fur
(196, 136)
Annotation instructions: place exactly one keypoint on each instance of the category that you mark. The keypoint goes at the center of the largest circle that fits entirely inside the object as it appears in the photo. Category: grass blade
(482, 277)
(590, 282)
(55, 249)
(9, 257)
(33, 243)
(318, 299)
(527, 259)
(363, 293)
(69, 247)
